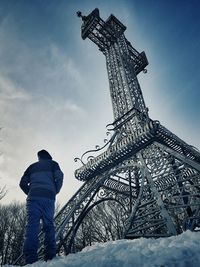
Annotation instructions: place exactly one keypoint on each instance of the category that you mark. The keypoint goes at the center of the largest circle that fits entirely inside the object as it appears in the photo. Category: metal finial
(79, 14)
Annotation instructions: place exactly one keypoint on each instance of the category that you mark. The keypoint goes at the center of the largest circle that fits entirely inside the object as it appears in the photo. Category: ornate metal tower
(162, 171)
(149, 171)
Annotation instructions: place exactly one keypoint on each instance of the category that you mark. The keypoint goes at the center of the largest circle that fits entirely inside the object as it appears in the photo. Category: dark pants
(39, 209)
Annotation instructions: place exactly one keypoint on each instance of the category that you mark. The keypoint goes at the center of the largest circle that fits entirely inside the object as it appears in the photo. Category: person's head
(43, 154)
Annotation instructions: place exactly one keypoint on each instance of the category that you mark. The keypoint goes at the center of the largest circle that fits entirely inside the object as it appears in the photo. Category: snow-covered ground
(178, 251)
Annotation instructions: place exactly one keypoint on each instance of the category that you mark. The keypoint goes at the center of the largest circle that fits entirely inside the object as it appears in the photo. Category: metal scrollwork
(97, 148)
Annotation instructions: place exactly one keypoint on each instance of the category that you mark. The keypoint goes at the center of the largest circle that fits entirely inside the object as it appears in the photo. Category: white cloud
(48, 117)
(63, 63)
(11, 91)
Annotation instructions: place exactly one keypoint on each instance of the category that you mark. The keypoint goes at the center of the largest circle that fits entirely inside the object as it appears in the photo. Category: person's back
(41, 182)
(44, 179)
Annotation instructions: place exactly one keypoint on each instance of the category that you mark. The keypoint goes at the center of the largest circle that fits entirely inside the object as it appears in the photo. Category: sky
(54, 91)
(179, 251)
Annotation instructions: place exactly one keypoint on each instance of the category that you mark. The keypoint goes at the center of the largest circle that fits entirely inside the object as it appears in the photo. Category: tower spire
(123, 62)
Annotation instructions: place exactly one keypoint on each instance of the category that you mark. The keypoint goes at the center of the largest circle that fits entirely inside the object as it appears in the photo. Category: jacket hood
(43, 154)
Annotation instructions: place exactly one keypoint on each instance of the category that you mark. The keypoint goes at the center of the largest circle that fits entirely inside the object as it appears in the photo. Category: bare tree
(12, 222)
(105, 222)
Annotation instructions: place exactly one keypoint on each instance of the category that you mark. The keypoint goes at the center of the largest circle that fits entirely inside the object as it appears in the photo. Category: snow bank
(178, 251)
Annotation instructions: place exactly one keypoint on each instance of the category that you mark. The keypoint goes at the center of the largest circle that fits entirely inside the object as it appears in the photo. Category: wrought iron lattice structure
(153, 174)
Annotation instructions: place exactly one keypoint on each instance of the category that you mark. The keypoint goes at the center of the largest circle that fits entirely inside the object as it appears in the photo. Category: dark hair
(43, 154)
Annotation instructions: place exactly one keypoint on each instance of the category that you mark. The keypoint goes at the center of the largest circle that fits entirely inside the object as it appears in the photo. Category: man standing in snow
(41, 182)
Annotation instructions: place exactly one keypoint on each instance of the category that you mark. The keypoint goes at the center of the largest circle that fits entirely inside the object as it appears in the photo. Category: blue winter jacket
(42, 179)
